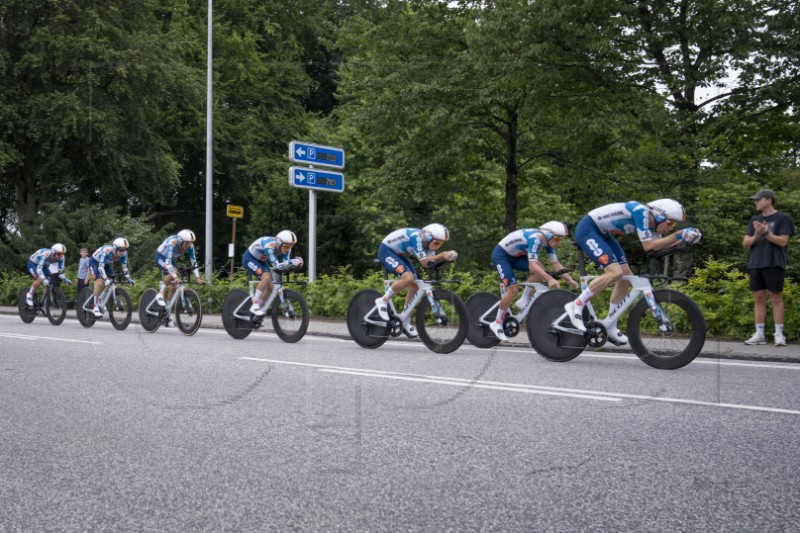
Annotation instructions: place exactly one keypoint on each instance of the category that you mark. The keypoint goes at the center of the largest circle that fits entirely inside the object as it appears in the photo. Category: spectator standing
(83, 268)
(767, 237)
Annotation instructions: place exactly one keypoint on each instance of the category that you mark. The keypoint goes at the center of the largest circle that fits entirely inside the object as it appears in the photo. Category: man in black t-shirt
(767, 237)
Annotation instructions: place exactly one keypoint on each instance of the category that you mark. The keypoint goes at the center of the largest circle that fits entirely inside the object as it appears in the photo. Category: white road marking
(40, 338)
(519, 387)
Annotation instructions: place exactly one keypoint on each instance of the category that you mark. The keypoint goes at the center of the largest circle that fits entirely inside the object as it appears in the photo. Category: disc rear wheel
(366, 335)
(150, 321)
(86, 318)
(238, 328)
(550, 343)
(479, 334)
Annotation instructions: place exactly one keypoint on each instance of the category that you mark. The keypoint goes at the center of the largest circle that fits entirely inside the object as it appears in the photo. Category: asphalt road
(103, 430)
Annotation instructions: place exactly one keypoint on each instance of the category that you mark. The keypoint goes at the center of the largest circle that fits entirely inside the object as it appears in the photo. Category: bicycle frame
(108, 292)
(488, 317)
(424, 289)
(277, 292)
(170, 307)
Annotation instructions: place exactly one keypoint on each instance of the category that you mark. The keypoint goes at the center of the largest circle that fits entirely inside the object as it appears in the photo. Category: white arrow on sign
(299, 177)
(300, 152)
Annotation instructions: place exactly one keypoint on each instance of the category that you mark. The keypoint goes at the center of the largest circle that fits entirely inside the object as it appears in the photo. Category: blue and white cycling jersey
(407, 242)
(169, 250)
(527, 242)
(622, 218)
(104, 256)
(41, 259)
(267, 249)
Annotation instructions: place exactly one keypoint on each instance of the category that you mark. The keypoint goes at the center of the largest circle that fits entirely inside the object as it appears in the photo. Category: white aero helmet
(286, 237)
(186, 235)
(120, 243)
(555, 228)
(59, 248)
(436, 232)
(667, 209)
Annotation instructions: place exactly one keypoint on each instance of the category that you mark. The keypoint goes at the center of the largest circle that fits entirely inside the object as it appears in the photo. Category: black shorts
(770, 278)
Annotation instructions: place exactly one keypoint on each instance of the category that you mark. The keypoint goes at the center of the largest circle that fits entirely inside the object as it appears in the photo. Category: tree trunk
(512, 175)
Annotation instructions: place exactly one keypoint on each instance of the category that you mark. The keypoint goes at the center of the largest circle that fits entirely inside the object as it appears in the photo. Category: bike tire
(447, 337)
(189, 312)
(86, 318)
(149, 323)
(55, 306)
(673, 351)
(365, 335)
(554, 346)
(478, 334)
(26, 313)
(120, 309)
(290, 318)
(236, 327)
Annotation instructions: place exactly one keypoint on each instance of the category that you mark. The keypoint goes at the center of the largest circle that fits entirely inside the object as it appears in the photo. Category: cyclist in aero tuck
(264, 255)
(173, 247)
(519, 250)
(40, 260)
(101, 270)
(595, 235)
(394, 253)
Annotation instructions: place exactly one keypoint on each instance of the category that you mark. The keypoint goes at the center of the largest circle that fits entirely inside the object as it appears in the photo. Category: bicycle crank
(596, 334)
(511, 326)
(395, 326)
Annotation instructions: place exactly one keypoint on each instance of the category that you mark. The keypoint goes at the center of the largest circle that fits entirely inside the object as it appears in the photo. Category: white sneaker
(29, 300)
(383, 308)
(575, 315)
(160, 300)
(780, 340)
(617, 337)
(499, 332)
(756, 339)
(97, 312)
(257, 310)
(409, 330)
(168, 323)
(521, 303)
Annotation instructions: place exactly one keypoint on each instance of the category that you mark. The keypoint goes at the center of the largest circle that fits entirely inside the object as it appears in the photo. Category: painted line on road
(587, 394)
(39, 338)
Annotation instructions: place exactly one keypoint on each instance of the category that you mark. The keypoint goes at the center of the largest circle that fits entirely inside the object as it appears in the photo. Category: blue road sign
(315, 154)
(313, 178)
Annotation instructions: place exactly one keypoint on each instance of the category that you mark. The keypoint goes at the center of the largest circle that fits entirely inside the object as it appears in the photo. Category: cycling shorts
(506, 264)
(33, 267)
(393, 263)
(253, 265)
(602, 248)
(161, 262)
(94, 269)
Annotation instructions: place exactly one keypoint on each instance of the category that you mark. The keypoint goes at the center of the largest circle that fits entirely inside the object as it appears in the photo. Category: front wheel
(120, 309)
(667, 350)
(290, 317)
(189, 312)
(479, 334)
(238, 328)
(55, 305)
(365, 334)
(550, 343)
(442, 327)
(150, 321)
(26, 312)
(86, 318)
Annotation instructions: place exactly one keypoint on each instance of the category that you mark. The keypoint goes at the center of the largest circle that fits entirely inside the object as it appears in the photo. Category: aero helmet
(555, 228)
(186, 235)
(286, 237)
(436, 232)
(120, 243)
(667, 209)
(59, 248)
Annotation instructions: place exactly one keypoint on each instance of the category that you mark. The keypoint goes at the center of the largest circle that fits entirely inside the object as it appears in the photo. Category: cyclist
(101, 270)
(394, 253)
(519, 250)
(42, 258)
(265, 255)
(172, 248)
(595, 235)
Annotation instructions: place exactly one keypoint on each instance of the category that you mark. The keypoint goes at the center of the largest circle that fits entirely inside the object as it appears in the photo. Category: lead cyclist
(595, 234)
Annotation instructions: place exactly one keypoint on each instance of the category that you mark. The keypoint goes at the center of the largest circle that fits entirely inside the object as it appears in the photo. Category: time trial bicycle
(666, 328)
(188, 310)
(289, 310)
(52, 303)
(114, 299)
(482, 310)
(441, 318)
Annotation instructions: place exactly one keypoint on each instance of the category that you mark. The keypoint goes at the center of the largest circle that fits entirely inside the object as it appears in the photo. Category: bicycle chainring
(395, 326)
(511, 326)
(596, 334)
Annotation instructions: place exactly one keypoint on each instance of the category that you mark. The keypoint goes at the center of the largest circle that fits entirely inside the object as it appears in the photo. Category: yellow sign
(235, 211)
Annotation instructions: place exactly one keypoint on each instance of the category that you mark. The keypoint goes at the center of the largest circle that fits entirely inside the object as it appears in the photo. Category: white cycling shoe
(617, 337)
(29, 300)
(575, 315)
(499, 332)
(97, 312)
(383, 308)
(160, 300)
(409, 330)
(257, 310)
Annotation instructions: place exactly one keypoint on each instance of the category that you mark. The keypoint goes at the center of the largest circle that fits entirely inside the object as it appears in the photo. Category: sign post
(234, 212)
(314, 180)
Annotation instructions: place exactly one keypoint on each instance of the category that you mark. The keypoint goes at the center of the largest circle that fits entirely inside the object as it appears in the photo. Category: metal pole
(312, 235)
(209, 157)
(233, 243)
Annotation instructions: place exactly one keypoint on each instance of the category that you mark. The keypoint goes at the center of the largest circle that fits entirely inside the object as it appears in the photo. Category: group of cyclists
(521, 251)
